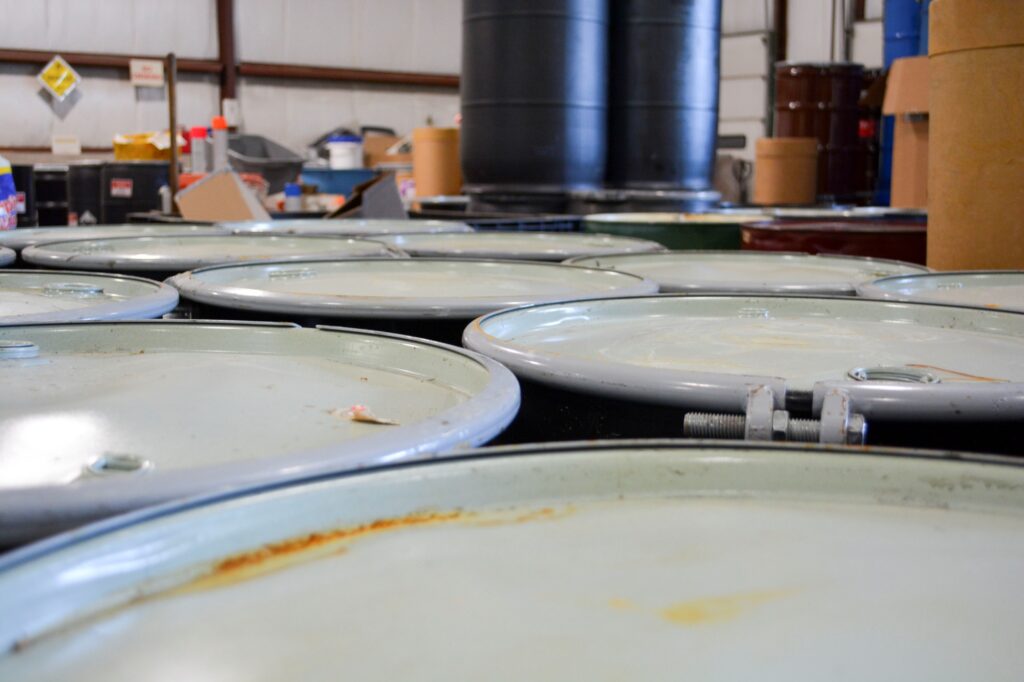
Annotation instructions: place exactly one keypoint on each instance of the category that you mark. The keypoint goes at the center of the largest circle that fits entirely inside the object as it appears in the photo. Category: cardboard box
(906, 98)
(220, 196)
(375, 148)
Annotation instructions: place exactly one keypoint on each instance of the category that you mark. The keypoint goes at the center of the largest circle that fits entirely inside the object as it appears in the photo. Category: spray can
(198, 140)
(220, 143)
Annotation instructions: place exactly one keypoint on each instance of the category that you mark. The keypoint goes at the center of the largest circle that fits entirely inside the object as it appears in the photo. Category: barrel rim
(15, 239)
(23, 555)
(32, 511)
(851, 67)
(876, 288)
(49, 254)
(672, 218)
(624, 194)
(449, 307)
(837, 287)
(286, 225)
(162, 298)
(619, 244)
(713, 390)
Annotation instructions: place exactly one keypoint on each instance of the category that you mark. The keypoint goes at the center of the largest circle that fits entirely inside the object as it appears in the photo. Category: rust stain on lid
(717, 609)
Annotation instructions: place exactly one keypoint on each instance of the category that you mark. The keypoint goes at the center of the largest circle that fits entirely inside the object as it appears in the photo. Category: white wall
(403, 35)
(188, 27)
(810, 37)
(744, 92)
(105, 102)
(394, 35)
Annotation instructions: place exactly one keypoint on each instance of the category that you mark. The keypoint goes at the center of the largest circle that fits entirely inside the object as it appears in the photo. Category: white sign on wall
(147, 73)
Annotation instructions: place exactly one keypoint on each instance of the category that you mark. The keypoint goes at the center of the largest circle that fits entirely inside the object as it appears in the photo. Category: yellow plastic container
(142, 147)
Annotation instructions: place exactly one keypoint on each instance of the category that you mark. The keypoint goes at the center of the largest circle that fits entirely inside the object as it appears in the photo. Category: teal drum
(675, 230)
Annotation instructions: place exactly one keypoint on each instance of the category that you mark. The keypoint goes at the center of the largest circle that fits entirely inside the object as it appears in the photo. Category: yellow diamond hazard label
(59, 78)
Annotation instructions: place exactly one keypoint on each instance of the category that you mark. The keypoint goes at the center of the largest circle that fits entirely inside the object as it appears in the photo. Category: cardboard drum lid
(180, 253)
(416, 288)
(995, 290)
(701, 352)
(625, 560)
(747, 271)
(38, 296)
(142, 412)
(7, 256)
(27, 236)
(549, 246)
(348, 226)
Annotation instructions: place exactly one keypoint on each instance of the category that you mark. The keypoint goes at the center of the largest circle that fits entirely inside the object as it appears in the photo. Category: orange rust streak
(960, 374)
(313, 540)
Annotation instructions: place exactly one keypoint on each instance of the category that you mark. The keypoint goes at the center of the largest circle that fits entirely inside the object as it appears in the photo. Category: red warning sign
(121, 187)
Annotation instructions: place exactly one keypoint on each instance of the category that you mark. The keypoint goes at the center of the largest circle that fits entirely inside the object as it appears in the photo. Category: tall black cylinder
(663, 119)
(534, 94)
(85, 192)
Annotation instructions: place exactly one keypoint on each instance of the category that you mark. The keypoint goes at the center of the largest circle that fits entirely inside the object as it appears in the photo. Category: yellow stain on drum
(620, 604)
(718, 609)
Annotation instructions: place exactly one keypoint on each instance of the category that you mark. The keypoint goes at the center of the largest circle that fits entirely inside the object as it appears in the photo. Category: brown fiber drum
(787, 171)
(821, 101)
(976, 154)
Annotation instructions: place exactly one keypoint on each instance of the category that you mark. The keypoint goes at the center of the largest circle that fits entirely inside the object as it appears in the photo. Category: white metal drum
(596, 562)
(101, 418)
(895, 360)
(995, 289)
(546, 246)
(28, 236)
(349, 227)
(181, 253)
(752, 272)
(7, 256)
(400, 288)
(37, 296)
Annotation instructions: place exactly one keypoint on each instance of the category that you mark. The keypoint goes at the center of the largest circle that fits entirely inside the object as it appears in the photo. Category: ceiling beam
(330, 73)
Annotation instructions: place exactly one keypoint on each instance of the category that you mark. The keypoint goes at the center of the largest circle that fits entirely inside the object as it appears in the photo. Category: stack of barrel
(587, 103)
(821, 102)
